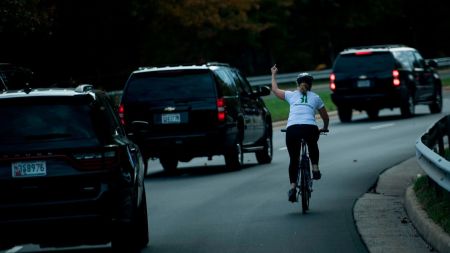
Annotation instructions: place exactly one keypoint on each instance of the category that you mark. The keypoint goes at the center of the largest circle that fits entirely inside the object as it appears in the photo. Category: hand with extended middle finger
(274, 69)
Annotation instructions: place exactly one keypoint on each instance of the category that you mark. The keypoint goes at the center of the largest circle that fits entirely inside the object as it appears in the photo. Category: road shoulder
(381, 218)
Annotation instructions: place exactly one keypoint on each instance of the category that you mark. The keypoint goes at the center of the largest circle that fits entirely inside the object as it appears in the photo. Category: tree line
(101, 42)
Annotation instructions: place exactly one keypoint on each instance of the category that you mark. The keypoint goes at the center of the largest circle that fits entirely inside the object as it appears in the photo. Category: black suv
(178, 113)
(68, 173)
(384, 76)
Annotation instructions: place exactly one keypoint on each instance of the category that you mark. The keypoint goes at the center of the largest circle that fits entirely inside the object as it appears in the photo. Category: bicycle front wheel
(304, 189)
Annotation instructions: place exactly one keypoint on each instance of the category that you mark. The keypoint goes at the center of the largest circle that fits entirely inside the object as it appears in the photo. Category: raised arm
(277, 91)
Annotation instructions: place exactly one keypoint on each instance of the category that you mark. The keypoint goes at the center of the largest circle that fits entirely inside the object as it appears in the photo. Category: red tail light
(221, 113)
(97, 159)
(332, 79)
(122, 114)
(363, 53)
(396, 78)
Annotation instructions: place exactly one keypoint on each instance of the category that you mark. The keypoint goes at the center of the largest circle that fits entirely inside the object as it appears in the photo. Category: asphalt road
(205, 208)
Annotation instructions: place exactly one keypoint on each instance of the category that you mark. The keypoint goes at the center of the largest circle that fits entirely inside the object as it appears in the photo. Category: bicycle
(304, 180)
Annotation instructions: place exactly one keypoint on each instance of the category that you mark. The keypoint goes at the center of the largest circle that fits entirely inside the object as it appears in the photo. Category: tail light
(122, 114)
(363, 53)
(396, 78)
(221, 113)
(332, 79)
(97, 159)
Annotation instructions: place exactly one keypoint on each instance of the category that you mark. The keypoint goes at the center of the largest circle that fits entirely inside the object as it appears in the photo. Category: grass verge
(435, 201)
(280, 109)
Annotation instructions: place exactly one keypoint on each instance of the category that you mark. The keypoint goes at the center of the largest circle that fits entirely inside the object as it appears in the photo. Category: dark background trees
(101, 42)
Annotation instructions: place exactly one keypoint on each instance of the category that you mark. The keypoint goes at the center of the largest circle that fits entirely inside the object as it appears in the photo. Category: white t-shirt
(302, 107)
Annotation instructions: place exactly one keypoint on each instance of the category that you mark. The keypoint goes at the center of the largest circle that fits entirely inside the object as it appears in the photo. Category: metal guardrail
(287, 78)
(443, 62)
(318, 75)
(430, 152)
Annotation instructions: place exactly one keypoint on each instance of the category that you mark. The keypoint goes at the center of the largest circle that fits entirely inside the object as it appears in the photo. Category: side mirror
(139, 126)
(262, 91)
(432, 63)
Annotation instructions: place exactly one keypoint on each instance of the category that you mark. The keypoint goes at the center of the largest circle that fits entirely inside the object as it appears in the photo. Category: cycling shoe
(292, 195)
(316, 174)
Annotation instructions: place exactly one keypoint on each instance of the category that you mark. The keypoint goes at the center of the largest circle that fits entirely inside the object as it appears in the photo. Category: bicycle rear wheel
(304, 184)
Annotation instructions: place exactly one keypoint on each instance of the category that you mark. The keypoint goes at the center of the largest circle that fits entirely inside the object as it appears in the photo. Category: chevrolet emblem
(169, 109)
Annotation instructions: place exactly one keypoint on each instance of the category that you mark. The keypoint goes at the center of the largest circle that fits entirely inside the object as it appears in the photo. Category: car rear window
(170, 85)
(372, 62)
(43, 120)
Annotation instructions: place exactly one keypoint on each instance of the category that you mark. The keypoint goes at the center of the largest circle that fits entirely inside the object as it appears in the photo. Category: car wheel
(265, 155)
(436, 106)
(142, 223)
(373, 113)
(407, 107)
(131, 235)
(345, 113)
(168, 164)
(234, 157)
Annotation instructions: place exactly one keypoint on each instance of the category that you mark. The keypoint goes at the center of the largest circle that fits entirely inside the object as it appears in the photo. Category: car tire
(373, 113)
(265, 155)
(234, 156)
(436, 105)
(407, 107)
(345, 114)
(131, 236)
(142, 223)
(169, 164)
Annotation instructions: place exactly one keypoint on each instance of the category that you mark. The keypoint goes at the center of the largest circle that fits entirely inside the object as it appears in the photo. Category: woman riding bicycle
(301, 124)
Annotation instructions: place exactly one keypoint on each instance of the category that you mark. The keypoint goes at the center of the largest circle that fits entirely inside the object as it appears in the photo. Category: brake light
(97, 160)
(363, 53)
(221, 113)
(332, 79)
(396, 78)
(122, 114)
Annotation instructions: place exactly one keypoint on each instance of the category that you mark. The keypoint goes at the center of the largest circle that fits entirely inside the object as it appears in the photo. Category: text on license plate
(29, 169)
(363, 83)
(172, 118)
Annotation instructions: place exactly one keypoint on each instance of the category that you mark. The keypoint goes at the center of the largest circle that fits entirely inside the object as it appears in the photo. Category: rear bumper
(367, 101)
(77, 220)
(187, 146)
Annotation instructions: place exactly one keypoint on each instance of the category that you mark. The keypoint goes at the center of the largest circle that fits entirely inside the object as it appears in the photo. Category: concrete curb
(431, 232)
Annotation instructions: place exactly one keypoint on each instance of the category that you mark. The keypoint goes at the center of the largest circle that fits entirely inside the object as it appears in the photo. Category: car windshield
(367, 63)
(45, 121)
(170, 85)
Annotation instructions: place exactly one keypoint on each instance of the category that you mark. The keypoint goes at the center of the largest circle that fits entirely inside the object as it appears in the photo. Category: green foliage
(25, 17)
(435, 201)
(101, 42)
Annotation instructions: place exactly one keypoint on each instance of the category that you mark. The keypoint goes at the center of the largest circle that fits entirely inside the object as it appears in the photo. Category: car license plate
(29, 169)
(363, 83)
(172, 118)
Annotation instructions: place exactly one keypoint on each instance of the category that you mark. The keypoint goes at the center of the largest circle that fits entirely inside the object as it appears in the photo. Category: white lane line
(382, 126)
(283, 148)
(15, 249)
